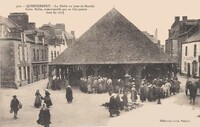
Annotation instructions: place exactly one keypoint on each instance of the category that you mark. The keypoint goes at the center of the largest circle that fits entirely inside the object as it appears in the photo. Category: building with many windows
(58, 39)
(15, 62)
(179, 32)
(39, 54)
(24, 51)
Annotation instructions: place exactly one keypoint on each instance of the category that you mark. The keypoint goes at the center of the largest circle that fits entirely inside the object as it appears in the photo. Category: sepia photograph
(92, 63)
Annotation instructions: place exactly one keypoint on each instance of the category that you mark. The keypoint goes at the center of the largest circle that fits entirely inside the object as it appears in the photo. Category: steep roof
(178, 25)
(194, 38)
(112, 40)
(8, 23)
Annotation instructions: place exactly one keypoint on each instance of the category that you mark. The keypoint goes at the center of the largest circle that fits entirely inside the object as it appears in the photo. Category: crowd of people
(148, 88)
(118, 89)
(154, 91)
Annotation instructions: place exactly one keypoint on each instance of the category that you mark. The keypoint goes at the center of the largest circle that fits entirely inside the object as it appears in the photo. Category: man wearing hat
(14, 106)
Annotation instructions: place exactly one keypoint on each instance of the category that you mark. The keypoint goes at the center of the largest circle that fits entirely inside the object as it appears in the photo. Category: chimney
(177, 18)
(156, 34)
(31, 25)
(169, 32)
(73, 33)
(20, 19)
(184, 18)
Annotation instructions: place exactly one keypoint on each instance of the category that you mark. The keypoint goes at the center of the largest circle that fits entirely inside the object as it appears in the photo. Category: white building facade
(190, 64)
(56, 49)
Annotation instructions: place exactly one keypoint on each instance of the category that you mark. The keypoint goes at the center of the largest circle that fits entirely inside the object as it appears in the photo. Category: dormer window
(40, 38)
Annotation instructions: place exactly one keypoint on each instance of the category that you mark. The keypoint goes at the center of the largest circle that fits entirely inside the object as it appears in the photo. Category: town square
(62, 65)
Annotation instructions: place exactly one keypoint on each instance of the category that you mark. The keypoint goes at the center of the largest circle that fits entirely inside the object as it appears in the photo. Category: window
(20, 73)
(57, 53)
(45, 54)
(24, 73)
(38, 54)
(186, 51)
(40, 39)
(185, 65)
(20, 53)
(25, 53)
(38, 69)
(195, 50)
(42, 54)
(34, 54)
(43, 69)
(54, 54)
(194, 68)
(51, 55)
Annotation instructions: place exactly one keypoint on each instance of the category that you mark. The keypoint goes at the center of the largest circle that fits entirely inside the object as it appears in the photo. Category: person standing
(44, 116)
(133, 94)
(142, 93)
(159, 94)
(15, 105)
(69, 94)
(113, 106)
(38, 99)
(125, 99)
(47, 99)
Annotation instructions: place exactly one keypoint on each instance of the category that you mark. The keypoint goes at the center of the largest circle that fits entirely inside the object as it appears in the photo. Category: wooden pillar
(62, 72)
(127, 68)
(65, 71)
(57, 71)
(84, 70)
(96, 68)
(139, 68)
(50, 76)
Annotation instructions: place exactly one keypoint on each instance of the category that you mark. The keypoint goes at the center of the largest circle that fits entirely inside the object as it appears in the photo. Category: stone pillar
(96, 69)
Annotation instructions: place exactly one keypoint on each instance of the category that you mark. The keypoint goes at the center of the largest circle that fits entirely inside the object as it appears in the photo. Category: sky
(147, 15)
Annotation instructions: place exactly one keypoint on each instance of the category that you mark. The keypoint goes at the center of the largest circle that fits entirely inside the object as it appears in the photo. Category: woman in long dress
(38, 99)
(47, 99)
(133, 94)
(69, 94)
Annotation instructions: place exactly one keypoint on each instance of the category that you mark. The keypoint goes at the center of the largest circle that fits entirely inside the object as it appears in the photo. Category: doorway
(188, 70)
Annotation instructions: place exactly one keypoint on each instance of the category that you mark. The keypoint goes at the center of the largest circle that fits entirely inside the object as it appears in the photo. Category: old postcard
(92, 63)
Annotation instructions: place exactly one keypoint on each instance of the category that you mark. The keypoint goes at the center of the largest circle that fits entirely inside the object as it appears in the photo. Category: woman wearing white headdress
(133, 94)
(69, 94)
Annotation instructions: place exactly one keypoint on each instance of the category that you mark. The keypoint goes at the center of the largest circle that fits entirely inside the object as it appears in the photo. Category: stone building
(58, 39)
(178, 33)
(20, 44)
(39, 54)
(15, 62)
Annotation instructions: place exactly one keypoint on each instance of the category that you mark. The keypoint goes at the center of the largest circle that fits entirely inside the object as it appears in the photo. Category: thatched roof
(112, 40)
